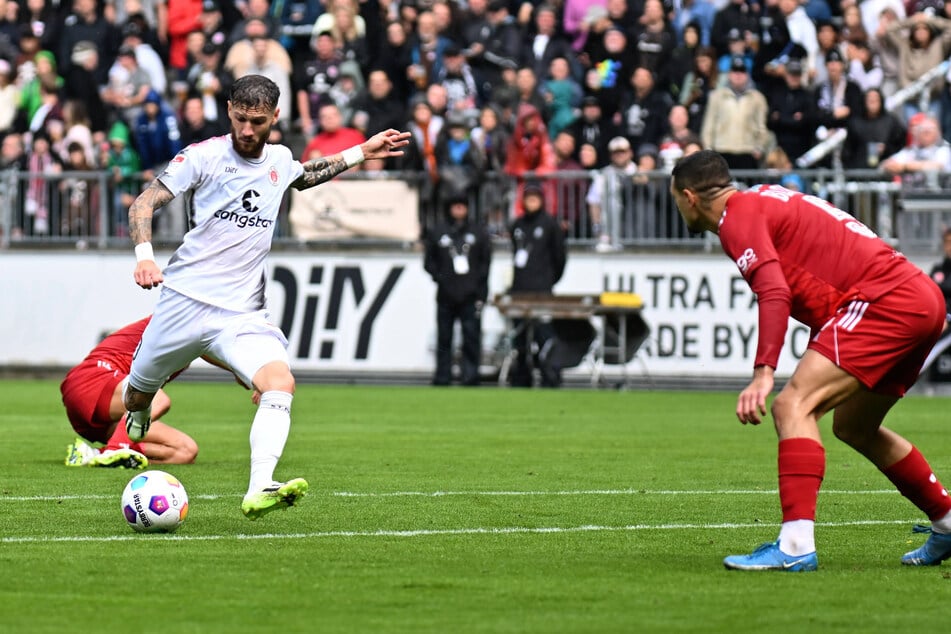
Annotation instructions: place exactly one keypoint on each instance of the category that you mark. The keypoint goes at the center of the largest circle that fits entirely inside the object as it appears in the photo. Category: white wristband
(143, 251)
(353, 155)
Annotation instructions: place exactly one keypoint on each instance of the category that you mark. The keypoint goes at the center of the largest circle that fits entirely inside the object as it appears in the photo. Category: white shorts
(183, 329)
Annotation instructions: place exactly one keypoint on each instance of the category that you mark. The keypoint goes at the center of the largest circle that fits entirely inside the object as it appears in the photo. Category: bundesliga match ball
(154, 502)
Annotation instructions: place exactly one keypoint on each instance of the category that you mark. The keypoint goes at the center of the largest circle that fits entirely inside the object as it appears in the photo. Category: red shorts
(884, 343)
(87, 392)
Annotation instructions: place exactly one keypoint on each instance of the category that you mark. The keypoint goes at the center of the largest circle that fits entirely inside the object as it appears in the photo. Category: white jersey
(235, 203)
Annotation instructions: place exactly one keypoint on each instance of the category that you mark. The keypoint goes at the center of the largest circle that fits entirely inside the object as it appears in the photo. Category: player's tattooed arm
(143, 207)
(320, 170)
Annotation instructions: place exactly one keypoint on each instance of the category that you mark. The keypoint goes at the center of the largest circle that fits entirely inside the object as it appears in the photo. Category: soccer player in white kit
(213, 302)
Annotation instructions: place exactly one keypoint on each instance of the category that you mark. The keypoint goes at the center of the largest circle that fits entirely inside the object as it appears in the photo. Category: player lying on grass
(92, 394)
(212, 300)
(874, 316)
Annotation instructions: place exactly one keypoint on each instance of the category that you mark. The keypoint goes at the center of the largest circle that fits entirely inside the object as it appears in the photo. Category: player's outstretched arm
(383, 145)
(147, 273)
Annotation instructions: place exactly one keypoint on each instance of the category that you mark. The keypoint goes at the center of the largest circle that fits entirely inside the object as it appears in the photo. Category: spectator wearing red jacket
(530, 151)
(332, 136)
(184, 16)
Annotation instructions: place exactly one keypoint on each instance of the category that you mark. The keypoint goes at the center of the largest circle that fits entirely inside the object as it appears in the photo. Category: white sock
(141, 417)
(798, 537)
(942, 525)
(269, 431)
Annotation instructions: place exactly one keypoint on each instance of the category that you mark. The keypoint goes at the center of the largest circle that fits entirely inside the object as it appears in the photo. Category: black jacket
(790, 118)
(544, 243)
(597, 133)
(443, 244)
(644, 120)
(886, 129)
(822, 108)
(381, 114)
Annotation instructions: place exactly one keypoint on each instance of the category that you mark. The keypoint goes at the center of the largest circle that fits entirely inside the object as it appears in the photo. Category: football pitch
(458, 510)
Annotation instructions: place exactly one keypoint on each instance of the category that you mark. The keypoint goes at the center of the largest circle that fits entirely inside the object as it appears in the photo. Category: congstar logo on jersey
(245, 220)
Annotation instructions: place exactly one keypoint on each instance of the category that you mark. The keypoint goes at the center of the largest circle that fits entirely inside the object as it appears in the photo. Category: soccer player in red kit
(873, 317)
(92, 394)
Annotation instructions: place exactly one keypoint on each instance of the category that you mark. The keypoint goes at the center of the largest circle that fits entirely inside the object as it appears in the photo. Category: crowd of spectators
(508, 87)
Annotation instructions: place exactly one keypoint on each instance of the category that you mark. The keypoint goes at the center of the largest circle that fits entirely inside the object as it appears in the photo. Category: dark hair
(40, 135)
(710, 52)
(701, 170)
(254, 91)
(911, 34)
(881, 99)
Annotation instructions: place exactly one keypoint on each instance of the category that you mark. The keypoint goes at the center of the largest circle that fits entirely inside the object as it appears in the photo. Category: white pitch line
(436, 494)
(449, 532)
(60, 498)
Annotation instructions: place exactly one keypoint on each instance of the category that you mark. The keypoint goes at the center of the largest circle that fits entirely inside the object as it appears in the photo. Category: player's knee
(275, 378)
(849, 434)
(842, 432)
(188, 451)
(275, 382)
(286, 384)
(786, 410)
(781, 408)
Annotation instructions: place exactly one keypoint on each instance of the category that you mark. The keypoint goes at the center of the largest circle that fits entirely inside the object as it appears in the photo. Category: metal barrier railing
(89, 209)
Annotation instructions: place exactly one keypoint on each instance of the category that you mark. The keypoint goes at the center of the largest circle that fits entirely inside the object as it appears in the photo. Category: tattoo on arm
(140, 211)
(320, 171)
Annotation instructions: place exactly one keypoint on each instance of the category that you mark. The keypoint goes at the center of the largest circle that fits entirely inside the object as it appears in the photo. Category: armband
(143, 251)
(353, 156)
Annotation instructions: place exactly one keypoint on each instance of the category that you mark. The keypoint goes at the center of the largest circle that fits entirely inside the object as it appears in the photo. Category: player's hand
(256, 397)
(386, 144)
(147, 274)
(751, 405)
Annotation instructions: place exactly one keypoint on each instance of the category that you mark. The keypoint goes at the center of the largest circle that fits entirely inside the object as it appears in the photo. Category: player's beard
(250, 148)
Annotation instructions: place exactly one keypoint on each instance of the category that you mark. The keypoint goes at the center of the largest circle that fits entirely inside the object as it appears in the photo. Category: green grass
(646, 491)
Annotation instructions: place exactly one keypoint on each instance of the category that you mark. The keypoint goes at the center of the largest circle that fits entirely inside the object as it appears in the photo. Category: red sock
(121, 439)
(802, 464)
(916, 481)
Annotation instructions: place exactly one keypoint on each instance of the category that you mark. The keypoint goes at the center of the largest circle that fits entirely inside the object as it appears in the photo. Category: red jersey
(88, 388)
(804, 258)
(115, 351)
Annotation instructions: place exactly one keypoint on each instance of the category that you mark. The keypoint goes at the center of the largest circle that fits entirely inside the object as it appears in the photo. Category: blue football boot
(769, 557)
(935, 550)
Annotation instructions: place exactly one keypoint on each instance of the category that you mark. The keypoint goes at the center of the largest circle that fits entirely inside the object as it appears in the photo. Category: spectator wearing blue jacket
(157, 134)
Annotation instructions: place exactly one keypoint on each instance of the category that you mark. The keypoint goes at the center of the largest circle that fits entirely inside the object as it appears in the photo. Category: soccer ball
(154, 502)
